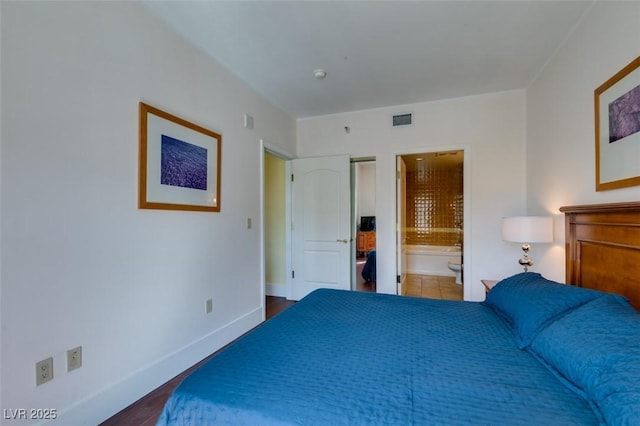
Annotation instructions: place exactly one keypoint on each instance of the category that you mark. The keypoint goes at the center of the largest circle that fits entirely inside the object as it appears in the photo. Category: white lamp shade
(527, 229)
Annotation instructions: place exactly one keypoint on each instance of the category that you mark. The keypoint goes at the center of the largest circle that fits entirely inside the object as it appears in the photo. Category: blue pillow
(529, 302)
(597, 348)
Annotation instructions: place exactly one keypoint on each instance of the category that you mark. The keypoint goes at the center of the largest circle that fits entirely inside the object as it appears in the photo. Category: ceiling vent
(403, 120)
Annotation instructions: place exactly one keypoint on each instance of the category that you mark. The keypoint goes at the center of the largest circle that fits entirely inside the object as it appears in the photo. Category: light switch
(248, 121)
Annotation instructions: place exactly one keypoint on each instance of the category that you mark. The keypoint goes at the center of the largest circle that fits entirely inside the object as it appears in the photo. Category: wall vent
(403, 120)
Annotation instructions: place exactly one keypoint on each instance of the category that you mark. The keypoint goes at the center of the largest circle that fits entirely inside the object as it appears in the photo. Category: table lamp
(527, 230)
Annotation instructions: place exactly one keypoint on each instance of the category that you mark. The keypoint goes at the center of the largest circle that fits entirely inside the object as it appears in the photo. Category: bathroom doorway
(432, 241)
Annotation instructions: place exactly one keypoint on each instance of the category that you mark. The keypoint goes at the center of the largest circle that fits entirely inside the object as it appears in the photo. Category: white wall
(492, 130)
(81, 264)
(560, 119)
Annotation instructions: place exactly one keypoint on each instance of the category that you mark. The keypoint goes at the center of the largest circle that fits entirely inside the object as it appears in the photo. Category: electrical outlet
(209, 306)
(74, 358)
(44, 371)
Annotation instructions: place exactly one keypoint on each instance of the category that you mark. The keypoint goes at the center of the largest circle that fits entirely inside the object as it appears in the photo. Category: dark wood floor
(145, 411)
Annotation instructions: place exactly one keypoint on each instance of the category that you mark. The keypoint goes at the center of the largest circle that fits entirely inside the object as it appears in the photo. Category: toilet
(456, 266)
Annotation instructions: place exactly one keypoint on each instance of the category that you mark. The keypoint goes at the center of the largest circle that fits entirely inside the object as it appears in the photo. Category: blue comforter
(338, 358)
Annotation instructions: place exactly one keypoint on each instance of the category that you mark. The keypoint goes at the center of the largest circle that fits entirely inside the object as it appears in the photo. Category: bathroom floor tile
(433, 286)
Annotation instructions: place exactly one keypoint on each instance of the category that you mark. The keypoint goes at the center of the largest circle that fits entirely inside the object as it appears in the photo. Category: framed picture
(617, 114)
(179, 163)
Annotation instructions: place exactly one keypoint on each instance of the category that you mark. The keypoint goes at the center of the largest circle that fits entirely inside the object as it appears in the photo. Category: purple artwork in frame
(617, 129)
(179, 163)
(624, 115)
(183, 164)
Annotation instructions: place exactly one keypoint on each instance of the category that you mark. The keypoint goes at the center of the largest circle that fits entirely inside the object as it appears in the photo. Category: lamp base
(525, 260)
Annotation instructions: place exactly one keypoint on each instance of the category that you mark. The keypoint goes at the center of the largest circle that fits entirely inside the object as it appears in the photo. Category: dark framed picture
(617, 120)
(179, 163)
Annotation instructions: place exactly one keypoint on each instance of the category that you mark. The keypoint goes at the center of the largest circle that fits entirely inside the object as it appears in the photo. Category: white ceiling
(376, 53)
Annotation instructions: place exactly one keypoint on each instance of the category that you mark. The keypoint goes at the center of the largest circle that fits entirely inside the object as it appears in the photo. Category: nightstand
(489, 284)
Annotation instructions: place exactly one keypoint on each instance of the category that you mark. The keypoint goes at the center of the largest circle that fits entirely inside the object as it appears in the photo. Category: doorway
(363, 207)
(432, 237)
(274, 207)
(277, 168)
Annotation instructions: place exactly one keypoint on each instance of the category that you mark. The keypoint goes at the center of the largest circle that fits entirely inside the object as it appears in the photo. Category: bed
(369, 270)
(534, 352)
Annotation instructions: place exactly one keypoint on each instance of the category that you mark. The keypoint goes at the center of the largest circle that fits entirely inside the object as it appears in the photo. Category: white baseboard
(100, 406)
(276, 289)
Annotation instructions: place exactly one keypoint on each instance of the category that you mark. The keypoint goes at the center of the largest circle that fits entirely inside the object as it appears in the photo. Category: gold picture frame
(617, 129)
(179, 163)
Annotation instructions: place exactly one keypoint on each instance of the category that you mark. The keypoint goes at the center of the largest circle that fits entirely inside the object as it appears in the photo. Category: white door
(321, 234)
(401, 225)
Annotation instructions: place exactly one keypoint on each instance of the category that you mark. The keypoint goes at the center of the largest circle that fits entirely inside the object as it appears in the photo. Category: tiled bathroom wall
(435, 204)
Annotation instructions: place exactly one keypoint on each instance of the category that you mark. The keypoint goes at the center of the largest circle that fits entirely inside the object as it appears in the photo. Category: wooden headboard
(603, 248)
